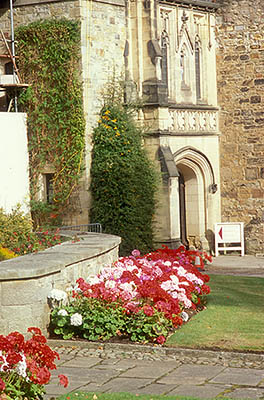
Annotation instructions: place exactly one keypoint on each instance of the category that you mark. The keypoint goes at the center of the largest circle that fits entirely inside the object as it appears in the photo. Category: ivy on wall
(123, 179)
(49, 54)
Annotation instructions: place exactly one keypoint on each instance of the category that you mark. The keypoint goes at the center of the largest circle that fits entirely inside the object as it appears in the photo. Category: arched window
(198, 70)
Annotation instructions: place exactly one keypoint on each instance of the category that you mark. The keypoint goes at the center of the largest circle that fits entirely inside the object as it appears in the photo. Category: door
(183, 227)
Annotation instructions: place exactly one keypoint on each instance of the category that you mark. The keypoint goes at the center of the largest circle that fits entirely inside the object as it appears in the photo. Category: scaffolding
(12, 86)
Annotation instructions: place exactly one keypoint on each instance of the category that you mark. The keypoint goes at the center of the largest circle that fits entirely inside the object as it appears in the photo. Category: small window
(9, 68)
(48, 182)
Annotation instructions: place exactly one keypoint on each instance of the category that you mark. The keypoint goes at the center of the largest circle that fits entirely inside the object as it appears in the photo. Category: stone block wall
(103, 38)
(240, 72)
(26, 281)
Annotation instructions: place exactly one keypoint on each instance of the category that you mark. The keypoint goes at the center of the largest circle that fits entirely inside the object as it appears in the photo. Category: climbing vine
(49, 53)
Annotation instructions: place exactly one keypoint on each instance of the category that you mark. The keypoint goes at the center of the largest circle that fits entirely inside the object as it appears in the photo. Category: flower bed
(25, 366)
(141, 298)
(17, 237)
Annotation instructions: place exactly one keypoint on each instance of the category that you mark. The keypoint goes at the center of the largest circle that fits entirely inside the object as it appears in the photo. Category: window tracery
(198, 69)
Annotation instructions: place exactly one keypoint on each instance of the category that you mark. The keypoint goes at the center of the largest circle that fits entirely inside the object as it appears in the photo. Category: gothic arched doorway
(196, 200)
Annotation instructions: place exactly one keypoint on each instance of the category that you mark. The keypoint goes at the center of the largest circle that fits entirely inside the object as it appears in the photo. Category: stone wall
(103, 44)
(103, 38)
(240, 71)
(26, 281)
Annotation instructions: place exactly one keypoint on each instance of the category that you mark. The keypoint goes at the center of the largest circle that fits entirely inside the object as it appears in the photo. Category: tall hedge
(123, 180)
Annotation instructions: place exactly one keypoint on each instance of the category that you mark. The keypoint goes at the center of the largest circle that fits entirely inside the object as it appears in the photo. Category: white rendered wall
(14, 176)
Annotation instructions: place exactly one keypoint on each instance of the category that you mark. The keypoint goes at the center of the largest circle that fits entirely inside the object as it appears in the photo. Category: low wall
(26, 281)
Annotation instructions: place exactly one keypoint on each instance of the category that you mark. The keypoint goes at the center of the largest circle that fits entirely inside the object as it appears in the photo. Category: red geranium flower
(2, 385)
(161, 339)
(63, 380)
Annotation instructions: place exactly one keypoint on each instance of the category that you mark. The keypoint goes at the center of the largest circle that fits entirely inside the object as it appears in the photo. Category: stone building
(198, 66)
(240, 82)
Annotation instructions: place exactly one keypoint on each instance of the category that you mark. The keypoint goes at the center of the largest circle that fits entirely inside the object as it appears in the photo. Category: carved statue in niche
(185, 68)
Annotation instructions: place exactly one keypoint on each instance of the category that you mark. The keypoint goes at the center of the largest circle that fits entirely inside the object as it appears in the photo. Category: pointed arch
(199, 180)
(186, 51)
(191, 155)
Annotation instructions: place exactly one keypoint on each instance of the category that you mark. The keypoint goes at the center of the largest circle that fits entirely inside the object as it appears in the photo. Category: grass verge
(124, 396)
(233, 319)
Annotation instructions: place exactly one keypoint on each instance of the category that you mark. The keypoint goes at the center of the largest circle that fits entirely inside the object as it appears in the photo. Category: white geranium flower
(62, 312)
(76, 319)
(76, 288)
(110, 284)
(193, 278)
(4, 364)
(57, 294)
(167, 263)
(181, 271)
(93, 280)
(21, 368)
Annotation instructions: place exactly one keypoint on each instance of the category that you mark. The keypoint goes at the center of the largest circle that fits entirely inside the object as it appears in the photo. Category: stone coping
(156, 352)
(55, 259)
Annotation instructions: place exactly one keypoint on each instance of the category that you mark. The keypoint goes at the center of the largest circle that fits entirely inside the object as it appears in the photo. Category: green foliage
(123, 179)
(102, 320)
(44, 214)
(144, 329)
(127, 396)
(17, 238)
(49, 52)
(13, 225)
(6, 254)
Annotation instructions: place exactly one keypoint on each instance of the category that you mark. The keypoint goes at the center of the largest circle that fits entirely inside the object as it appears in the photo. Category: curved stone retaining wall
(157, 353)
(26, 281)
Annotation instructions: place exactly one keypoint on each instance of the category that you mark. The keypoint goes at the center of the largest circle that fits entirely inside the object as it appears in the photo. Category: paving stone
(153, 369)
(55, 389)
(125, 385)
(93, 387)
(155, 388)
(87, 375)
(118, 365)
(203, 391)
(63, 358)
(246, 393)
(82, 362)
(191, 374)
(240, 376)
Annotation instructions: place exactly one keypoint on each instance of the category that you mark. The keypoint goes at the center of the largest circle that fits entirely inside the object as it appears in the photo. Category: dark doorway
(183, 226)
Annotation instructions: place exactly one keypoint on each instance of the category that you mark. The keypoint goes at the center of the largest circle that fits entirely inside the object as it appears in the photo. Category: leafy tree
(124, 180)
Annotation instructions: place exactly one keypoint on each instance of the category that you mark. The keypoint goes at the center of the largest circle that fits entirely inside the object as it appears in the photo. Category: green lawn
(123, 396)
(233, 320)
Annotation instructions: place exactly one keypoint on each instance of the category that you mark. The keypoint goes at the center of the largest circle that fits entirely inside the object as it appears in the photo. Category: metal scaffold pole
(13, 50)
